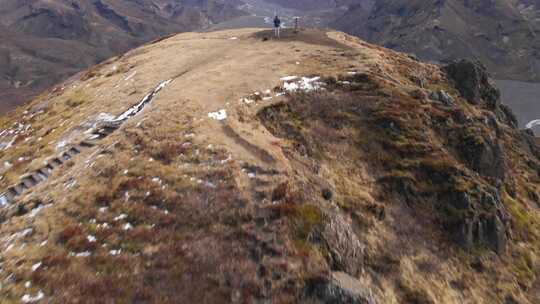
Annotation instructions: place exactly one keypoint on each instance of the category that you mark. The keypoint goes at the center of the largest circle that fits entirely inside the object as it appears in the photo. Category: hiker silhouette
(277, 26)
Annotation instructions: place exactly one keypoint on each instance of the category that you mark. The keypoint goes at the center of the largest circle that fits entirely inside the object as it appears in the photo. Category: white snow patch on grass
(120, 217)
(219, 115)
(305, 84)
(130, 76)
(32, 299)
(83, 254)
(36, 266)
(288, 78)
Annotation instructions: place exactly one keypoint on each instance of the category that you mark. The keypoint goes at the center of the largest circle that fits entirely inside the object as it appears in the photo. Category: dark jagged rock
(485, 231)
(479, 222)
(484, 155)
(327, 194)
(472, 81)
(506, 115)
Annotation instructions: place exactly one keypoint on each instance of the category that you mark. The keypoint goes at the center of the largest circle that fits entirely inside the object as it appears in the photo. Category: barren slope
(219, 167)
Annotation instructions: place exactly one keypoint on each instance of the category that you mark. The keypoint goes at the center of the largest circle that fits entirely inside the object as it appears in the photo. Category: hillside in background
(230, 167)
(43, 42)
(503, 34)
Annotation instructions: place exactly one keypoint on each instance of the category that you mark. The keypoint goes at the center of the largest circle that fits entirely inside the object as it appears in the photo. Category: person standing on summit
(277, 26)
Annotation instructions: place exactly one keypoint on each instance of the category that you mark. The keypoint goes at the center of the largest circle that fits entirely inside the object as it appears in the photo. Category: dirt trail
(213, 72)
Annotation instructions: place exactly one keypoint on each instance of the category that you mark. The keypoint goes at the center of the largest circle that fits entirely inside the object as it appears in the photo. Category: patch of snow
(288, 78)
(533, 123)
(91, 238)
(103, 209)
(223, 161)
(247, 100)
(43, 243)
(3, 200)
(26, 232)
(138, 107)
(120, 217)
(130, 76)
(32, 299)
(128, 226)
(83, 254)
(304, 84)
(115, 252)
(219, 115)
(36, 210)
(103, 226)
(104, 117)
(27, 284)
(36, 266)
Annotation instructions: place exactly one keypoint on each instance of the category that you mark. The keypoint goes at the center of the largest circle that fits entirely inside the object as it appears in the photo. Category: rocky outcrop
(442, 96)
(479, 221)
(472, 81)
(345, 251)
(484, 155)
(339, 287)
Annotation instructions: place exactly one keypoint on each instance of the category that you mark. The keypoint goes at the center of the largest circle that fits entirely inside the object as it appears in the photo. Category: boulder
(472, 81)
(442, 97)
(345, 251)
(339, 287)
(483, 155)
(489, 227)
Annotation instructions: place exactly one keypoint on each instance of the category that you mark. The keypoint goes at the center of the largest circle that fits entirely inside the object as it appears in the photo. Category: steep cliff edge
(232, 167)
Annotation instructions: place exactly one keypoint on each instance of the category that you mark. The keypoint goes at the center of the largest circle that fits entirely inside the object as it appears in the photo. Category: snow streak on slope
(108, 126)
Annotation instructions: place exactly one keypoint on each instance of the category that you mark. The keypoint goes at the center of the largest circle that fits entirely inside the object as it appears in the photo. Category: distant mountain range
(44, 41)
(503, 34)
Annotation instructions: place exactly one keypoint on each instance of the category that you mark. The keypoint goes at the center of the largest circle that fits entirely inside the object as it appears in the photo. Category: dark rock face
(482, 154)
(480, 222)
(472, 81)
(506, 115)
